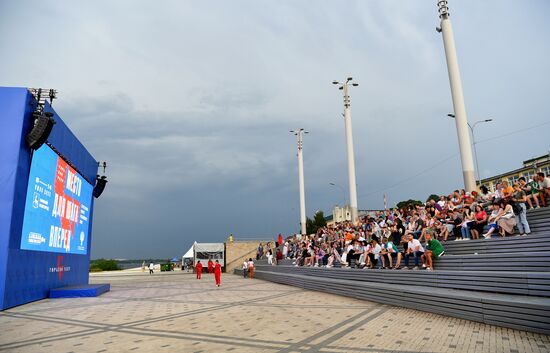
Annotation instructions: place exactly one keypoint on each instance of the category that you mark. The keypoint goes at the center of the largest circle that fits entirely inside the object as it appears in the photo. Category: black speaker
(99, 186)
(43, 125)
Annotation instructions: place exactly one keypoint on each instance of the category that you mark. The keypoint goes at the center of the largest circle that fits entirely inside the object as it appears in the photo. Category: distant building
(342, 214)
(529, 169)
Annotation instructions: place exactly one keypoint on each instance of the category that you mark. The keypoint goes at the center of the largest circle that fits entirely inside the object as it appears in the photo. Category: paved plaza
(173, 312)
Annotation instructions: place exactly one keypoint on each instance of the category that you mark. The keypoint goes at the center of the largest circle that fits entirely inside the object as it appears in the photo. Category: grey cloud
(191, 103)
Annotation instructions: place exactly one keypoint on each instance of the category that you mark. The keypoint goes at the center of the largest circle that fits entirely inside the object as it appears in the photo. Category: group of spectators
(383, 239)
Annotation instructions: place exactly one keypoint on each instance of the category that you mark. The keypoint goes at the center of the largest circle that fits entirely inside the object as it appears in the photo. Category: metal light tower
(299, 139)
(349, 145)
(461, 120)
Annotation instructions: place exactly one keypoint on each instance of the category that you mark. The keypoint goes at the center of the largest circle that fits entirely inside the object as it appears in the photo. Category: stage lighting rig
(99, 185)
(102, 164)
(43, 121)
(101, 181)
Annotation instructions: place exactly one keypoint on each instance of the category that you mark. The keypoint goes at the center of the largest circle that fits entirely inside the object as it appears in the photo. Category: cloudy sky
(190, 102)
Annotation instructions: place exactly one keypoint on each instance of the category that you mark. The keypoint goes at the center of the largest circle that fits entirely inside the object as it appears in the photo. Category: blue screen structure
(57, 207)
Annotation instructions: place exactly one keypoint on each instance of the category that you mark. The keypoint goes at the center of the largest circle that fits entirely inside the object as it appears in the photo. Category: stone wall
(237, 251)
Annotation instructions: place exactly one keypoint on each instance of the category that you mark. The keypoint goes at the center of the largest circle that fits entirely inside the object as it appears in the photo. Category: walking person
(245, 268)
(250, 268)
(521, 214)
(198, 268)
(218, 273)
(210, 266)
(151, 268)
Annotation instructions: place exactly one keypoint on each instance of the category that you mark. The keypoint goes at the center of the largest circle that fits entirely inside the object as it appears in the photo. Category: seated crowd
(387, 237)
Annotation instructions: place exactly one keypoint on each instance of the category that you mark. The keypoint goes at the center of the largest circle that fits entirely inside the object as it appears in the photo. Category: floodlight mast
(461, 119)
(349, 145)
(299, 133)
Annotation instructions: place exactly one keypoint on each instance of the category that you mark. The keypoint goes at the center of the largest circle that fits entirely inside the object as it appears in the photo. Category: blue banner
(57, 208)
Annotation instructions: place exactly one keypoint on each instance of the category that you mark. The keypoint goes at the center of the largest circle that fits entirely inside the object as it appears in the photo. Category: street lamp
(472, 127)
(349, 145)
(299, 133)
(343, 191)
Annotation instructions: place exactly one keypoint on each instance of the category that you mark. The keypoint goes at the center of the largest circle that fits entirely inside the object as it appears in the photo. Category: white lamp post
(349, 145)
(299, 139)
(461, 120)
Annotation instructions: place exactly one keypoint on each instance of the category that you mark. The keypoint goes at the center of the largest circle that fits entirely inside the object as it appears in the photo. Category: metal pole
(350, 153)
(478, 180)
(343, 192)
(299, 139)
(458, 97)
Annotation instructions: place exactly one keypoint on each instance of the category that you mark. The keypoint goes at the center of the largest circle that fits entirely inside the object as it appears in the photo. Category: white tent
(208, 247)
(209, 251)
(189, 253)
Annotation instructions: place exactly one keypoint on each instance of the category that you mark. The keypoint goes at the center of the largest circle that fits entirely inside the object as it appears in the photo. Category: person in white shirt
(374, 253)
(414, 249)
(245, 268)
(250, 268)
(544, 182)
(151, 268)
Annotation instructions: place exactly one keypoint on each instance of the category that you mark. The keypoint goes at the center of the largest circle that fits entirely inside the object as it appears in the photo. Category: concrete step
(514, 311)
(533, 283)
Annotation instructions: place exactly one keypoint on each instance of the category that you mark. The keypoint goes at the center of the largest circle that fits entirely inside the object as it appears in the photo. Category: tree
(406, 204)
(318, 221)
(433, 197)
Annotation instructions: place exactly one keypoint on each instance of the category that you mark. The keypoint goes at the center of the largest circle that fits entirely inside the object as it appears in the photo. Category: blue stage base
(85, 290)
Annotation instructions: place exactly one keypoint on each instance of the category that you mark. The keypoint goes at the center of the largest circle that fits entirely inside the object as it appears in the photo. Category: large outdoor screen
(57, 208)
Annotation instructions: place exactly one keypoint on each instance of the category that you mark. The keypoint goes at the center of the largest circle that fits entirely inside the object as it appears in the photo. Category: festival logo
(60, 268)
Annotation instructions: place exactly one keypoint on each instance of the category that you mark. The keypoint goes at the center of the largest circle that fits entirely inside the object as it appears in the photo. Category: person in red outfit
(198, 268)
(217, 273)
(280, 240)
(210, 266)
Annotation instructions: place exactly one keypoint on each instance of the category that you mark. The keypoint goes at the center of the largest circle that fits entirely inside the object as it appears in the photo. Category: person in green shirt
(433, 249)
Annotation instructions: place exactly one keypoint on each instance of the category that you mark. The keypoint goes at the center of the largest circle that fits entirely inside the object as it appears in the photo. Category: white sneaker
(424, 266)
(466, 239)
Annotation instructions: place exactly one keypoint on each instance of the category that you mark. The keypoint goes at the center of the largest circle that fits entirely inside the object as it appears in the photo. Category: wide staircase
(501, 281)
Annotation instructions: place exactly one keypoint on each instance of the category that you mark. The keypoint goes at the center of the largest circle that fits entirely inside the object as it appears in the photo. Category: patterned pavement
(169, 312)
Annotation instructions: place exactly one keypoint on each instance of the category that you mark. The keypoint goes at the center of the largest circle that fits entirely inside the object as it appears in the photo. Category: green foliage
(103, 265)
(408, 203)
(166, 267)
(318, 221)
(433, 197)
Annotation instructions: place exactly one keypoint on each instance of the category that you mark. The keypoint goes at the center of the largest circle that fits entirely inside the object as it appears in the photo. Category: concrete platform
(84, 290)
(173, 312)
